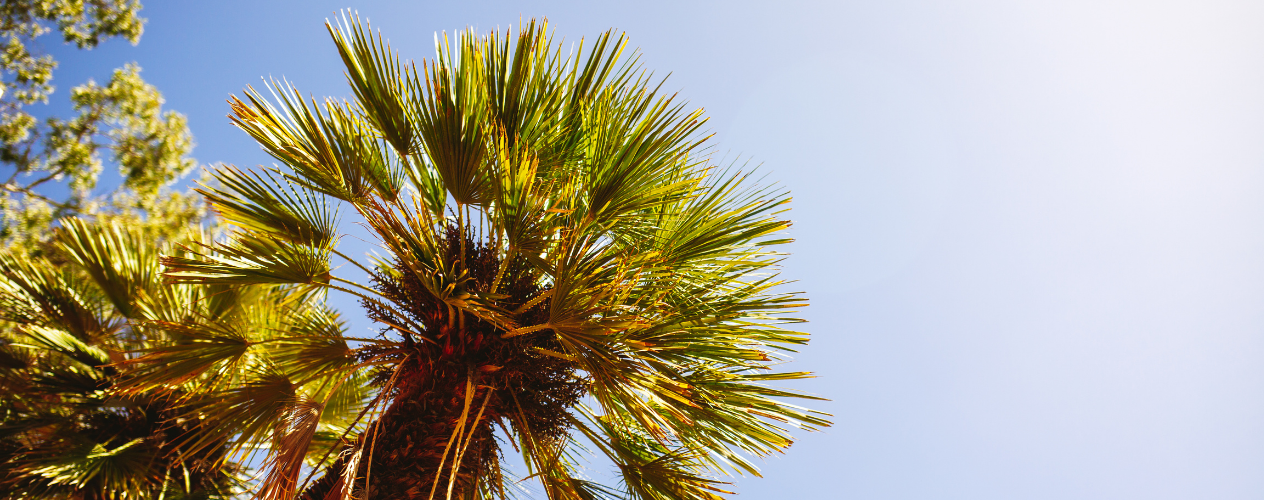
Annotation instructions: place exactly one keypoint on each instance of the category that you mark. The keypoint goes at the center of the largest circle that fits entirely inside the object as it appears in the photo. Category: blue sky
(1031, 231)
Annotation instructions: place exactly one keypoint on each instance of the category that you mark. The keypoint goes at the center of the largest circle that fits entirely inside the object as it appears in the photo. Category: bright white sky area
(1032, 232)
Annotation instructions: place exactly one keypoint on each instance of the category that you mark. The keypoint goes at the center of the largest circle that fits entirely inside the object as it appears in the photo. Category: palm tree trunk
(410, 452)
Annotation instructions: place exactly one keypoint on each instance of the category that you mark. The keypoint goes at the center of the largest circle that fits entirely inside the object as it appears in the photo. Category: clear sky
(1032, 232)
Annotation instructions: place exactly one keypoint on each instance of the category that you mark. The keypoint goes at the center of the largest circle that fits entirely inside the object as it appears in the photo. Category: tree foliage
(54, 164)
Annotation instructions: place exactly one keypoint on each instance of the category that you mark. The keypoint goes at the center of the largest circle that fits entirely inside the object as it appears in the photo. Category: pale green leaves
(123, 118)
(149, 145)
(84, 23)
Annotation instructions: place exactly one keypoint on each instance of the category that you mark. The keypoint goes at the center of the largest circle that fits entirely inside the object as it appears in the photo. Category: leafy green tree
(561, 261)
(121, 122)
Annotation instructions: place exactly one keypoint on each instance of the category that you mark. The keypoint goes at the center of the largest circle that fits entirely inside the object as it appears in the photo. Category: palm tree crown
(562, 262)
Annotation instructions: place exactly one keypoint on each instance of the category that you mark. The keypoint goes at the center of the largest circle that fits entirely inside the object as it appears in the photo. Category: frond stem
(352, 261)
(460, 454)
(320, 463)
(460, 426)
(500, 272)
(412, 330)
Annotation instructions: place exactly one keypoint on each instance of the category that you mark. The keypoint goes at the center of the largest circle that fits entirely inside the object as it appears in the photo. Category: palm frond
(260, 202)
(450, 118)
(250, 260)
(242, 415)
(114, 469)
(198, 349)
(34, 292)
(293, 437)
(64, 343)
(650, 469)
(331, 151)
(312, 344)
(118, 261)
(377, 77)
(639, 143)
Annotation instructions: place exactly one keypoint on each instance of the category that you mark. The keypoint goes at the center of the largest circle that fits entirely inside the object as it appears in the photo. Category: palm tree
(82, 419)
(562, 262)
(71, 314)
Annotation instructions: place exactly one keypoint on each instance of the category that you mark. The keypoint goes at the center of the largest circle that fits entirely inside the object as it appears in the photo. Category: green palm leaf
(119, 263)
(251, 260)
(377, 77)
(74, 425)
(258, 202)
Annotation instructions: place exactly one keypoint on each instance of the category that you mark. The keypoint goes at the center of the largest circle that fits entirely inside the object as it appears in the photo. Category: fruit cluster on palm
(564, 270)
